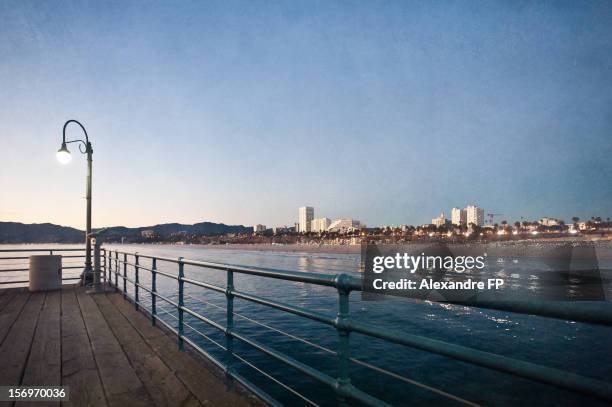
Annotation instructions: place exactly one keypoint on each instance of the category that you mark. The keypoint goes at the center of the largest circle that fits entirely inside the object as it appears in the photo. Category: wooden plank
(45, 362)
(3, 292)
(163, 386)
(208, 388)
(79, 370)
(9, 314)
(9, 294)
(121, 384)
(16, 346)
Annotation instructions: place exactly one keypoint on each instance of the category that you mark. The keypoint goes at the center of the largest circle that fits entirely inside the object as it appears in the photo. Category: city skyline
(229, 112)
(472, 214)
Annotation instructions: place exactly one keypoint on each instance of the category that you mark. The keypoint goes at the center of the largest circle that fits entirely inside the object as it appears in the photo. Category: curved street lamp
(64, 157)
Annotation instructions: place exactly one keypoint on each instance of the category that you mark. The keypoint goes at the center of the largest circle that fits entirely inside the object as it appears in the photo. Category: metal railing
(18, 263)
(117, 263)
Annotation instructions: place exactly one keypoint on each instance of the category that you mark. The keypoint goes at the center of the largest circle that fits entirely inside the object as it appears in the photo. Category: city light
(534, 232)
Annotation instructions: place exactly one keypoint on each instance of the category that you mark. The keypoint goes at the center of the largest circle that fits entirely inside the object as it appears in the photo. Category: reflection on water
(576, 347)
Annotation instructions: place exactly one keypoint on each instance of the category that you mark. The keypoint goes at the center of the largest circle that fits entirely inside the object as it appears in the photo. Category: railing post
(97, 265)
(136, 281)
(116, 270)
(181, 302)
(342, 326)
(153, 291)
(104, 266)
(229, 339)
(108, 261)
(124, 275)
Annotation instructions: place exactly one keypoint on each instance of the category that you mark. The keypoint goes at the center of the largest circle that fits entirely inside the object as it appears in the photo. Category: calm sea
(576, 347)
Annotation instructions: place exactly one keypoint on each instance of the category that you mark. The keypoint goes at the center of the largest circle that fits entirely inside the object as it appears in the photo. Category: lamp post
(64, 157)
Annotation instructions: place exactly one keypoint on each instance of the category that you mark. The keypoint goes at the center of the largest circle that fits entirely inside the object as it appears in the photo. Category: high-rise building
(474, 215)
(440, 220)
(259, 228)
(459, 216)
(305, 216)
(320, 225)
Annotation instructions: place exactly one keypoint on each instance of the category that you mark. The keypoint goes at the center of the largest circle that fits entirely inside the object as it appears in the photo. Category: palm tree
(575, 219)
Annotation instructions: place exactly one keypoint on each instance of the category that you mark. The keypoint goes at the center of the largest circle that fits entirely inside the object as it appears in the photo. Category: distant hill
(14, 232)
(165, 229)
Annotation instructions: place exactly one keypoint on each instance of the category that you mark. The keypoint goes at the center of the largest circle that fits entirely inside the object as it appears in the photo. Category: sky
(241, 112)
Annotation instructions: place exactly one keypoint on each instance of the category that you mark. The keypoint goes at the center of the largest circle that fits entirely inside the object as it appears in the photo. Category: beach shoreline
(514, 247)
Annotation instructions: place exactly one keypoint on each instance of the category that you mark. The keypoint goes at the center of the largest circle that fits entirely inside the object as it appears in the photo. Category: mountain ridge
(17, 232)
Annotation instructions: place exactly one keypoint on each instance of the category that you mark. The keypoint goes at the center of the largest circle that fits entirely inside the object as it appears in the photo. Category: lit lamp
(64, 157)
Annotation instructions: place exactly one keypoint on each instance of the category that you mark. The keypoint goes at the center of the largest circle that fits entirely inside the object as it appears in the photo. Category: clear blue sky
(240, 112)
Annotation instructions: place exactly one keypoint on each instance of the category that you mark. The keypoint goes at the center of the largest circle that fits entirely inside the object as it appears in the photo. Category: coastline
(289, 248)
(603, 247)
(541, 247)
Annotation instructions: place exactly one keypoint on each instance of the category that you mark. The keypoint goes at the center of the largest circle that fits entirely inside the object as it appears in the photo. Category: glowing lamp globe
(63, 155)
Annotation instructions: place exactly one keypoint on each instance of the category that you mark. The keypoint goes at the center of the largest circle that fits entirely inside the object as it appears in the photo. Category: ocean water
(577, 347)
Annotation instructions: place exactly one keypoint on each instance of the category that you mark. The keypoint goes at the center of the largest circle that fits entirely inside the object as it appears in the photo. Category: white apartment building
(320, 225)
(459, 216)
(259, 228)
(344, 225)
(279, 229)
(305, 216)
(474, 215)
(549, 221)
(147, 233)
(440, 220)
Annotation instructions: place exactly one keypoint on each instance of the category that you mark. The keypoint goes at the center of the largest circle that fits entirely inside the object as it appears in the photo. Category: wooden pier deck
(104, 350)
